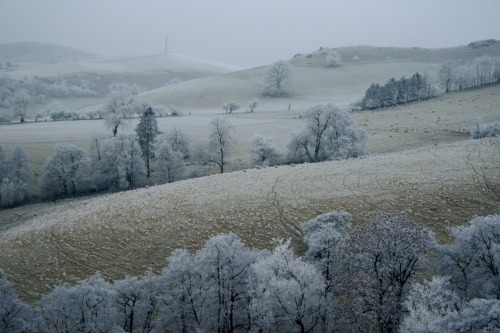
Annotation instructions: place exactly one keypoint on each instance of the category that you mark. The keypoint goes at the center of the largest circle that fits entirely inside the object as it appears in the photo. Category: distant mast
(166, 44)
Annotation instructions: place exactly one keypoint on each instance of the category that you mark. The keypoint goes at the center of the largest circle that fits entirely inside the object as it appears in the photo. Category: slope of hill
(150, 72)
(356, 54)
(310, 85)
(30, 52)
(125, 233)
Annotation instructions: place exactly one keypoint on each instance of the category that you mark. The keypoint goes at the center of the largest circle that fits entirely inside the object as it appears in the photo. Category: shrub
(489, 130)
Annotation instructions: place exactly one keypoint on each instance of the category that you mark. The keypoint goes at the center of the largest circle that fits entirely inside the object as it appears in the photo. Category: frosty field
(125, 233)
(444, 119)
(422, 161)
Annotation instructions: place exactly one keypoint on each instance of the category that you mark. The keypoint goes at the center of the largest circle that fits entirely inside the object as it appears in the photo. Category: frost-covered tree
(434, 308)
(170, 164)
(326, 237)
(477, 315)
(330, 134)
(67, 172)
(182, 305)
(123, 100)
(86, 307)
(15, 185)
(333, 59)
(288, 293)
(473, 259)
(225, 265)
(229, 107)
(447, 75)
(263, 151)
(137, 301)
(427, 304)
(383, 256)
(277, 79)
(20, 103)
(253, 104)
(323, 236)
(15, 316)
(122, 166)
(179, 141)
(147, 130)
(3, 163)
(220, 143)
(486, 68)
(432, 85)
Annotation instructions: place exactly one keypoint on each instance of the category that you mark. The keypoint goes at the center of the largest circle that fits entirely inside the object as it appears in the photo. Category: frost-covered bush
(333, 59)
(263, 151)
(489, 130)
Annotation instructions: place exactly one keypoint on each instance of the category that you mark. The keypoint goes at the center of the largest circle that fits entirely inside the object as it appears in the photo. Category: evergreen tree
(147, 130)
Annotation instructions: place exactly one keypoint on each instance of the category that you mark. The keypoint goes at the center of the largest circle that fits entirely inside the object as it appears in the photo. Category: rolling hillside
(125, 233)
(422, 162)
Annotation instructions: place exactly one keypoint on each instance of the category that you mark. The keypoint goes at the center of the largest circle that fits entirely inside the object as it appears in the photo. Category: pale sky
(246, 33)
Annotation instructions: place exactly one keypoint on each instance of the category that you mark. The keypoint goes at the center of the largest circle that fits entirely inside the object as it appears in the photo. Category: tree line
(386, 275)
(127, 161)
(481, 71)
(39, 88)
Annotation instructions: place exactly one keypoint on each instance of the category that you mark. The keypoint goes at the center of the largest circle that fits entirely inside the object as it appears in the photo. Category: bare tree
(220, 143)
(447, 75)
(20, 103)
(123, 100)
(230, 107)
(253, 104)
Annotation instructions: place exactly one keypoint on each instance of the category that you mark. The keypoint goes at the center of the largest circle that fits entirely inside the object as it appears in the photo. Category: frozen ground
(125, 233)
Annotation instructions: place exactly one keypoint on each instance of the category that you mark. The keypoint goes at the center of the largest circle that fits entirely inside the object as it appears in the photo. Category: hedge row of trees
(481, 71)
(126, 161)
(365, 279)
(396, 92)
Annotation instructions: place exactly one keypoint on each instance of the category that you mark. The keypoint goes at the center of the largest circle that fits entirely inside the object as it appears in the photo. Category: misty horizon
(245, 34)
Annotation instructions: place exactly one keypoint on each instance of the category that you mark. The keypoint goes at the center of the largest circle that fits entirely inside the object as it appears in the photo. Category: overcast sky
(246, 33)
